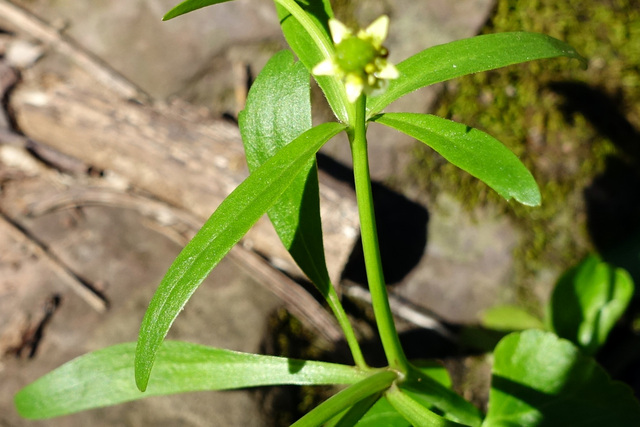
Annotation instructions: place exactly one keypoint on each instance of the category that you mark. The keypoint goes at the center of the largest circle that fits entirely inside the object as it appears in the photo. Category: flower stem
(334, 302)
(369, 234)
(322, 42)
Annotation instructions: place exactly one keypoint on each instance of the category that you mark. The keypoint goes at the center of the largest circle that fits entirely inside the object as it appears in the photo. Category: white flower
(360, 61)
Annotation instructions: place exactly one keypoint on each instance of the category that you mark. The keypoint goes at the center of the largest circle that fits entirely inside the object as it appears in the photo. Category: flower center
(353, 54)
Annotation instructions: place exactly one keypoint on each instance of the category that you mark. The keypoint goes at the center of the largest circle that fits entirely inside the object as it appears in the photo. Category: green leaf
(587, 302)
(542, 380)
(350, 396)
(431, 393)
(471, 150)
(278, 110)
(434, 370)
(508, 318)
(468, 56)
(311, 51)
(105, 377)
(189, 6)
(231, 220)
(383, 414)
(414, 412)
(353, 415)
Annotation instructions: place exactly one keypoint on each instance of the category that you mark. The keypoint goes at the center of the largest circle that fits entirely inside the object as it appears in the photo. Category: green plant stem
(324, 45)
(369, 234)
(334, 302)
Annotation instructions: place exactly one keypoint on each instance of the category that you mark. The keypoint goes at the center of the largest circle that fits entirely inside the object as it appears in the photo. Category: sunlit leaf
(542, 380)
(471, 150)
(105, 377)
(189, 6)
(228, 224)
(468, 56)
(587, 302)
(278, 110)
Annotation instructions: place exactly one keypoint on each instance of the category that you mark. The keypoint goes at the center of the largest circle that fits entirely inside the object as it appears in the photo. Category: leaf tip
(141, 367)
(142, 379)
(531, 197)
(573, 54)
(19, 404)
(173, 13)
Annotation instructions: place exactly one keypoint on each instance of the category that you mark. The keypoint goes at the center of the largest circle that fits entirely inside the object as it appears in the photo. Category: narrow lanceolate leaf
(233, 218)
(189, 6)
(414, 412)
(278, 110)
(468, 56)
(471, 150)
(539, 379)
(587, 302)
(105, 377)
(346, 398)
(312, 51)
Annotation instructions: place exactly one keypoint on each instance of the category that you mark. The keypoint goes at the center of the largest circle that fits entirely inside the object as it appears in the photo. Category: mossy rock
(568, 126)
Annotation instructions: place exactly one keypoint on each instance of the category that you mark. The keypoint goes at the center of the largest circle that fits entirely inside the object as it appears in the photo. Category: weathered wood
(191, 164)
(25, 22)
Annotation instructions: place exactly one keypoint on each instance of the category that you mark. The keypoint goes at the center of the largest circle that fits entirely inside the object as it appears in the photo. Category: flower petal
(325, 68)
(338, 30)
(354, 85)
(377, 31)
(388, 71)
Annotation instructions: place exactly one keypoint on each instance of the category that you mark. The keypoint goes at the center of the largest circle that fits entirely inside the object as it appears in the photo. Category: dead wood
(70, 279)
(189, 164)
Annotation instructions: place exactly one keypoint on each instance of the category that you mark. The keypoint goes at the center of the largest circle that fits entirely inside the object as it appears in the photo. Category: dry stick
(297, 300)
(63, 272)
(29, 23)
(404, 311)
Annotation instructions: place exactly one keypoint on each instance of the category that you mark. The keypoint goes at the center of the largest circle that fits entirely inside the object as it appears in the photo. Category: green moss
(519, 106)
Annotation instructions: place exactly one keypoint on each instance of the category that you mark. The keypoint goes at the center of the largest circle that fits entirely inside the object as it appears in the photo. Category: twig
(70, 279)
(404, 311)
(297, 300)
